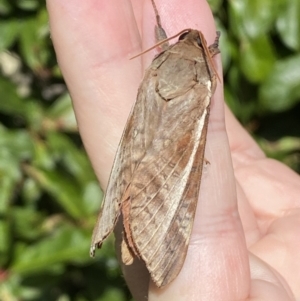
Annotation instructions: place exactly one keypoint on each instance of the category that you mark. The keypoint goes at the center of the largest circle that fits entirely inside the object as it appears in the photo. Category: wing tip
(162, 281)
(93, 248)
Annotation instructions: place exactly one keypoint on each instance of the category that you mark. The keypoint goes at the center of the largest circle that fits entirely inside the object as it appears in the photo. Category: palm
(93, 54)
(268, 194)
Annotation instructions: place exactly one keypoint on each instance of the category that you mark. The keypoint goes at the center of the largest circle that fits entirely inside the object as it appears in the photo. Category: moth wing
(164, 197)
(110, 208)
(133, 144)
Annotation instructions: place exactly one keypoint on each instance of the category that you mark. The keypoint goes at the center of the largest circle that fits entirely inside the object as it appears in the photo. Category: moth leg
(206, 161)
(214, 48)
(160, 33)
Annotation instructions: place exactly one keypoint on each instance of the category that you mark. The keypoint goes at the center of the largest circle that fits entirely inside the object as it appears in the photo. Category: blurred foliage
(260, 48)
(49, 195)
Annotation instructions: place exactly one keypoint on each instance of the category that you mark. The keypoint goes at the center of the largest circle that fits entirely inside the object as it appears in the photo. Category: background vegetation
(49, 195)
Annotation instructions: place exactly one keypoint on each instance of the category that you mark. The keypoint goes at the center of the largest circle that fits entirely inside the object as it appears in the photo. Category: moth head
(191, 36)
(194, 37)
(183, 36)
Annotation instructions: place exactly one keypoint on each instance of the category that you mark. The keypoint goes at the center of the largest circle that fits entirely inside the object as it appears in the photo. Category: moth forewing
(120, 177)
(156, 174)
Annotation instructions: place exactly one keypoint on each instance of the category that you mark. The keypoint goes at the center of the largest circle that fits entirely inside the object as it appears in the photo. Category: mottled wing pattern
(165, 184)
(135, 140)
(163, 201)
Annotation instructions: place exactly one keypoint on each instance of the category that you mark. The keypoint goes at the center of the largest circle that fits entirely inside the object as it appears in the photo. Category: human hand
(245, 242)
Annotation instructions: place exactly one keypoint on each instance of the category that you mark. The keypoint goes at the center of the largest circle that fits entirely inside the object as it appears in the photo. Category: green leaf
(33, 41)
(281, 90)
(77, 163)
(5, 7)
(215, 5)
(27, 223)
(67, 244)
(12, 289)
(15, 147)
(113, 295)
(31, 192)
(5, 242)
(253, 18)
(7, 190)
(26, 109)
(28, 4)
(62, 188)
(10, 102)
(9, 31)
(15, 143)
(285, 149)
(72, 157)
(288, 24)
(257, 58)
(92, 196)
(43, 157)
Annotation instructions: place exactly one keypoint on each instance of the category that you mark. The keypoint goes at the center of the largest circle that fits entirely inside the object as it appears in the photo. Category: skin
(245, 242)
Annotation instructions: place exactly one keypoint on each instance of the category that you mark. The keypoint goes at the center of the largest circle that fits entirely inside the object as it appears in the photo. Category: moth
(155, 178)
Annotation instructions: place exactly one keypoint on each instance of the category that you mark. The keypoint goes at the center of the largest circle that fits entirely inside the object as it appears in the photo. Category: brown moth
(155, 178)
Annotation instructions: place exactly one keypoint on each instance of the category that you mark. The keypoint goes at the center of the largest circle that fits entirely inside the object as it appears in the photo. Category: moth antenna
(161, 42)
(160, 33)
(158, 22)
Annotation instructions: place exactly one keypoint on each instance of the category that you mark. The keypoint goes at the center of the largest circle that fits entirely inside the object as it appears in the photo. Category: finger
(276, 185)
(93, 41)
(243, 146)
(244, 152)
(217, 255)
